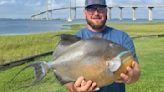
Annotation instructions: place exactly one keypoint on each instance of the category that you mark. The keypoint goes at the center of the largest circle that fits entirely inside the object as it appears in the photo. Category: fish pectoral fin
(114, 64)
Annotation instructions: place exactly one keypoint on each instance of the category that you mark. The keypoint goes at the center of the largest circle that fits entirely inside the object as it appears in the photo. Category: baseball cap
(95, 2)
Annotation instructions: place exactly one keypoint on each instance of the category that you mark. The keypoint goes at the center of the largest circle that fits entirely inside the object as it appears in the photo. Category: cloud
(61, 3)
(135, 1)
(3, 2)
(32, 3)
(23, 2)
(157, 1)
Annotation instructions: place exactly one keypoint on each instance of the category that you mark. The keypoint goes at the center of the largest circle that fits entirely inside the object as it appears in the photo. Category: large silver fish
(96, 59)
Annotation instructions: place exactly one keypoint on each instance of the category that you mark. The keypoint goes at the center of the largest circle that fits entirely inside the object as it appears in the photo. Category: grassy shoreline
(14, 47)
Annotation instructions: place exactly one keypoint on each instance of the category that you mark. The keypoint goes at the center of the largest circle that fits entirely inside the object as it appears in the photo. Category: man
(95, 13)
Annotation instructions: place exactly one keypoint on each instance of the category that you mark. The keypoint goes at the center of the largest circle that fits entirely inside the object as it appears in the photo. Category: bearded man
(95, 13)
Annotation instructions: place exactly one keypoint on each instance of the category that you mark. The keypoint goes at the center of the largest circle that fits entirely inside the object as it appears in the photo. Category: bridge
(49, 10)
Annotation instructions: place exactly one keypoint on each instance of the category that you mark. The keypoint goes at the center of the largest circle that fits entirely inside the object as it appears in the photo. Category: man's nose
(96, 12)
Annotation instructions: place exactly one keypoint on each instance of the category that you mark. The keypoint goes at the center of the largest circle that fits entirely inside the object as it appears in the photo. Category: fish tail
(40, 70)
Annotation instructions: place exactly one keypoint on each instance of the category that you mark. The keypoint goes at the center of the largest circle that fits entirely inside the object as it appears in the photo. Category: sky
(25, 8)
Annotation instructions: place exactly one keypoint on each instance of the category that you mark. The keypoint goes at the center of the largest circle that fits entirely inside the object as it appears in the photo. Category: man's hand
(81, 85)
(132, 74)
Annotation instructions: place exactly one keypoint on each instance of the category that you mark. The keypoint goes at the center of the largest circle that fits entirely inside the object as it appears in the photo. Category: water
(18, 27)
(28, 26)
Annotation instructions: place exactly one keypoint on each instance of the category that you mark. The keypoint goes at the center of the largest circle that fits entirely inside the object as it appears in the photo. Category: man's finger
(133, 64)
(87, 86)
(79, 81)
(124, 77)
(129, 72)
(83, 83)
(93, 86)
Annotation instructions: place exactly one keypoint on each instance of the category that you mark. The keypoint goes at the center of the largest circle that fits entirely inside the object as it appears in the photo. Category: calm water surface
(18, 27)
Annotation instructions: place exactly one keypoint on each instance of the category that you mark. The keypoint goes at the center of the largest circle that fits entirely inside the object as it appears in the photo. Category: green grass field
(20, 46)
(150, 54)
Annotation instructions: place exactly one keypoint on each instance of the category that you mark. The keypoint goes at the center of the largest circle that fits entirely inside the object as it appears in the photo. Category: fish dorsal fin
(68, 39)
(65, 41)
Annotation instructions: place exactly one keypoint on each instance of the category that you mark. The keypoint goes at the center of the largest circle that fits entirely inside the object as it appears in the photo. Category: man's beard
(97, 27)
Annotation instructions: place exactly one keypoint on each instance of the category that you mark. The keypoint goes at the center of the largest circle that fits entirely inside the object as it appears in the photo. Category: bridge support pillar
(32, 18)
(110, 13)
(150, 14)
(70, 15)
(74, 11)
(134, 13)
(51, 15)
(70, 12)
(41, 17)
(47, 15)
(120, 17)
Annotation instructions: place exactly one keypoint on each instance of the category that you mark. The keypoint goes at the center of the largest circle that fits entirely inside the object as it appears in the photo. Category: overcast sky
(26, 8)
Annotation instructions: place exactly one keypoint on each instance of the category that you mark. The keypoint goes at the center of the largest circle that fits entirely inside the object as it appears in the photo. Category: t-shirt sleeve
(128, 43)
(78, 34)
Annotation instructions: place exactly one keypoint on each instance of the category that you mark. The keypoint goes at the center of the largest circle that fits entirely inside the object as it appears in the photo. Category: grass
(134, 29)
(49, 84)
(141, 29)
(150, 53)
(20, 46)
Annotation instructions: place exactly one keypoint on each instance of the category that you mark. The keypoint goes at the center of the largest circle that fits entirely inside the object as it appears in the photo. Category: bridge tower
(49, 10)
(70, 15)
(72, 9)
